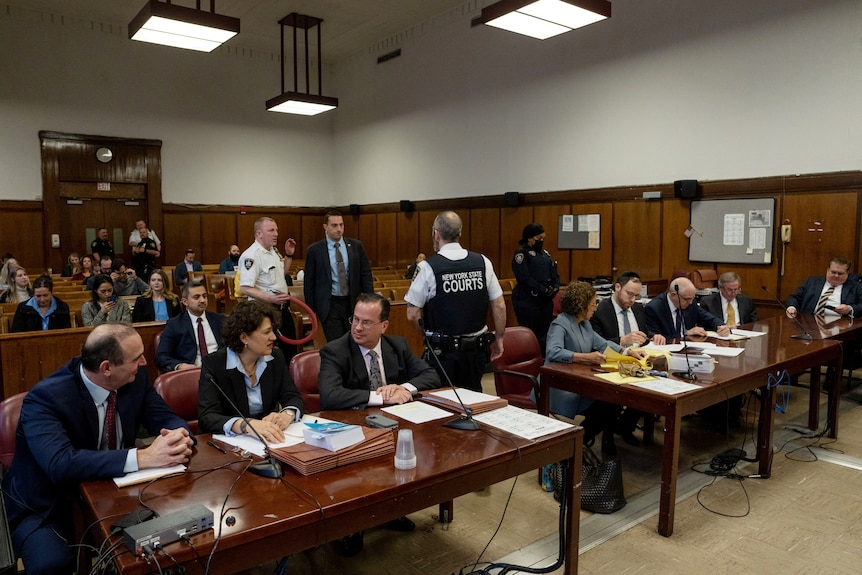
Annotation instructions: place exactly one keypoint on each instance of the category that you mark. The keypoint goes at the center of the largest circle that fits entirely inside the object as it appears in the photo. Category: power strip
(166, 529)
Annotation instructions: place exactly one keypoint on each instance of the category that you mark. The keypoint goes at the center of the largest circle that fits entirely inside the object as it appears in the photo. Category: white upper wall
(664, 90)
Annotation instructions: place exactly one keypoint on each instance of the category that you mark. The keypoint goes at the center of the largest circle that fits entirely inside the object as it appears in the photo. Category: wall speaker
(512, 199)
(685, 189)
(354, 209)
(406, 206)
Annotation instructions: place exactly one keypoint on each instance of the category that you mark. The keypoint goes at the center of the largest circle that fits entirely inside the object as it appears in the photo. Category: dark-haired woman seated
(105, 307)
(43, 310)
(571, 339)
(157, 303)
(253, 373)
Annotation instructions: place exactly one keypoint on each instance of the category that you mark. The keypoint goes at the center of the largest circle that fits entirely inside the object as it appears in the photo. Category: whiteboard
(738, 231)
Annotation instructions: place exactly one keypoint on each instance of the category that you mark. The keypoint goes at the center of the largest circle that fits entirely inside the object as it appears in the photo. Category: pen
(209, 442)
(597, 370)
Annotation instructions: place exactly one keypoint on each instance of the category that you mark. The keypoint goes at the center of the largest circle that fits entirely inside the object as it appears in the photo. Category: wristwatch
(243, 425)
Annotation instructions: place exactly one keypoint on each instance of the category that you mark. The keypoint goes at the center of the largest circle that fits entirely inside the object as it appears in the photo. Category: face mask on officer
(538, 244)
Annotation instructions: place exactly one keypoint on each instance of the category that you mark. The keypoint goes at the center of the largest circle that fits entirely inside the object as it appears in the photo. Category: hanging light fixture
(182, 27)
(295, 102)
(544, 18)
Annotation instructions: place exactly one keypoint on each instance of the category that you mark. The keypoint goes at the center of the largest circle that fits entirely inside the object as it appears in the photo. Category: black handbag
(602, 484)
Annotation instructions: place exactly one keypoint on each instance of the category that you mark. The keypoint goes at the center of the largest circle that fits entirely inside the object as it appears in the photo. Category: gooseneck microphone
(804, 335)
(271, 467)
(465, 421)
(690, 375)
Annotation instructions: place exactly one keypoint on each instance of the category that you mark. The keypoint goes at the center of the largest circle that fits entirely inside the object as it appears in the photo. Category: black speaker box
(406, 206)
(512, 199)
(354, 209)
(686, 189)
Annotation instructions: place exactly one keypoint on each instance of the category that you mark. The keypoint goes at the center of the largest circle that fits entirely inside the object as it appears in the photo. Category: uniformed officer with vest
(262, 273)
(538, 283)
(454, 288)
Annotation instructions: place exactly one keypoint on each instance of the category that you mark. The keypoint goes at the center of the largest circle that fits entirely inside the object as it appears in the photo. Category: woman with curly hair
(571, 339)
(253, 373)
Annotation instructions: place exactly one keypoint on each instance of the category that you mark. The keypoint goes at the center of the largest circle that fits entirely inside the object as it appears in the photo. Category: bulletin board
(738, 231)
(579, 232)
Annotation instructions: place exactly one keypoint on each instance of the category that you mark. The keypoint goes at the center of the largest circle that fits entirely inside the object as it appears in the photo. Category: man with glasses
(126, 281)
(622, 319)
(364, 367)
(674, 311)
(831, 295)
(730, 303)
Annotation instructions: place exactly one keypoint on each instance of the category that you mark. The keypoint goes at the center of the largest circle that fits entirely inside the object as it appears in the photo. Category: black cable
(222, 515)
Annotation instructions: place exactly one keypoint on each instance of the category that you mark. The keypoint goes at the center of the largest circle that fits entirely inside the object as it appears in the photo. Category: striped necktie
(824, 299)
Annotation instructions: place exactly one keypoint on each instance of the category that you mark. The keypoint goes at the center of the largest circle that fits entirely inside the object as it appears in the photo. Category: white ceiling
(349, 26)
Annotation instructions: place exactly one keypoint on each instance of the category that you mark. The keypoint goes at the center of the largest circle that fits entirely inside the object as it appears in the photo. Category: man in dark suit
(662, 313)
(179, 347)
(345, 379)
(622, 319)
(366, 368)
(839, 297)
(64, 437)
(189, 264)
(336, 272)
(730, 303)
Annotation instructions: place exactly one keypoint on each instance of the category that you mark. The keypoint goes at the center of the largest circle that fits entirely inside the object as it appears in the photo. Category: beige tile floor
(806, 519)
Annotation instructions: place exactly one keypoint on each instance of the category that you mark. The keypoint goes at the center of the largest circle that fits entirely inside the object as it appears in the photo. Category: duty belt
(441, 342)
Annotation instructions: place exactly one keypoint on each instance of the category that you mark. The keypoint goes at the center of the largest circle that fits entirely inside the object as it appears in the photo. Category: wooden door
(82, 220)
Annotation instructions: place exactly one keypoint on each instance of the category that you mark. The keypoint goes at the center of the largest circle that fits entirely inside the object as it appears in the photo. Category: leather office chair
(179, 389)
(705, 279)
(304, 368)
(10, 411)
(516, 371)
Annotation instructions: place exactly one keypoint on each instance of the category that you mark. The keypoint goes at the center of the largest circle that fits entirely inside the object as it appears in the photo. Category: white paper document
(724, 351)
(146, 475)
(292, 436)
(667, 386)
(468, 396)
(521, 422)
(417, 412)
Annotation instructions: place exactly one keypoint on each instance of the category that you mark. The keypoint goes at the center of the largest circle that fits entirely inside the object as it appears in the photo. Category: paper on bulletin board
(734, 229)
(568, 223)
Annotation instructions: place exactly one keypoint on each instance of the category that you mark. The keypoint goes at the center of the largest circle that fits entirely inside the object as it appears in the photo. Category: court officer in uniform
(538, 283)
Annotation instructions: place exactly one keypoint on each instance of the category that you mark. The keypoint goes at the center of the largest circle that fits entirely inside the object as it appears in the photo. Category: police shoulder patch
(248, 263)
(519, 258)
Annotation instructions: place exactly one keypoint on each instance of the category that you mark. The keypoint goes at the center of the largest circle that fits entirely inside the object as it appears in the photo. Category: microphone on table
(690, 375)
(804, 335)
(465, 420)
(269, 468)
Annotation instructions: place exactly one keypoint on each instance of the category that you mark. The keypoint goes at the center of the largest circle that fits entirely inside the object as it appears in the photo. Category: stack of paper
(308, 459)
(476, 401)
(332, 436)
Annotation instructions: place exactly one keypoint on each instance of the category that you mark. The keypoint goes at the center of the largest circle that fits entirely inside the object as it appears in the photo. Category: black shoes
(401, 524)
(629, 438)
(609, 448)
(352, 544)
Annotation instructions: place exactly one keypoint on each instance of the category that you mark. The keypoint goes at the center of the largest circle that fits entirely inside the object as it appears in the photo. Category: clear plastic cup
(405, 453)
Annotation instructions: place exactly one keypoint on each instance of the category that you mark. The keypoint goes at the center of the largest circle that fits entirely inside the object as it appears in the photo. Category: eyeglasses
(363, 322)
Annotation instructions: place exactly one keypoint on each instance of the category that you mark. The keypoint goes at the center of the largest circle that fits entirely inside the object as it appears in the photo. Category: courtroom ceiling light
(296, 102)
(544, 18)
(182, 27)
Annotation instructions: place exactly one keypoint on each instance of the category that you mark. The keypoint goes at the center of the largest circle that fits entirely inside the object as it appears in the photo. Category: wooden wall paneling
(218, 233)
(155, 217)
(375, 231)
(512, 223)
(292, 229)
(824, 226)
(484, 234)
(79, 163)
(182, 231)
(752, 277)
(52, 207)
(407, 239)
(675, 218)
(549, 217)
(591, 263)
(426, 224)
(636, 245)
(312, 230)
(19, 222)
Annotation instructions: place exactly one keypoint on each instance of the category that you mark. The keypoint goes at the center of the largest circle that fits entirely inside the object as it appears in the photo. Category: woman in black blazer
(253, 373)
(158, 303)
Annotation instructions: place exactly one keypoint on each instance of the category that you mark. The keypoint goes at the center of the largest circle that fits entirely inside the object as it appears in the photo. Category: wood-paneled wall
(636, 234)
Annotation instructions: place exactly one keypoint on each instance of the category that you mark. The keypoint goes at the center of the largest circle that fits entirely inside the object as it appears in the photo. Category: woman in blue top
(43, 310)
(158, 303)
(571, 339)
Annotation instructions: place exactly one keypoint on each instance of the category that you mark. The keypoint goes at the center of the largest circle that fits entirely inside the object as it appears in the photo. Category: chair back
(517, 370)
(179, 389)
(304, 369)
(704, 279)
(10, 411)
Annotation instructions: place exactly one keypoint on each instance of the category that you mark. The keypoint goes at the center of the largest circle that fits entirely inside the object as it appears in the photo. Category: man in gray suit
(730, 303)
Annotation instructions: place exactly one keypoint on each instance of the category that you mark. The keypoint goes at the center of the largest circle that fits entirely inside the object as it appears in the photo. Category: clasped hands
(170, 447)
(271, 427)
(393, 394)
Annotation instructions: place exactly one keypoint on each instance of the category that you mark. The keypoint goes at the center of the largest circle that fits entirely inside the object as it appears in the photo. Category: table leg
(446, 510)
(573, 507)
(669, 470)
(765, 431)
(814, 387)
(835, 395)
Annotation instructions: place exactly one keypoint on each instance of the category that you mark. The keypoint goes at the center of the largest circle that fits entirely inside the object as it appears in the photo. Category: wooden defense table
(274, 518)
(733, 376)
